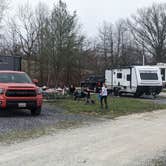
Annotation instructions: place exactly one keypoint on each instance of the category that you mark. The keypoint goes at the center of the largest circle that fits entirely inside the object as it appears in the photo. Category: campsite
(82, 83)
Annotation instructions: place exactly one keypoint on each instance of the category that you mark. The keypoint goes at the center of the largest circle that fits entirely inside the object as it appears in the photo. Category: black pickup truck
(93, 82)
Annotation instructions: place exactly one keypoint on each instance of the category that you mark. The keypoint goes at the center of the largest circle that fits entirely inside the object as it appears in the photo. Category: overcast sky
(92, 13)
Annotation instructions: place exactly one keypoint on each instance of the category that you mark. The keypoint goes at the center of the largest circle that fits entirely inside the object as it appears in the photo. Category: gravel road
(127, 141)
(17, 120)
(22, 120)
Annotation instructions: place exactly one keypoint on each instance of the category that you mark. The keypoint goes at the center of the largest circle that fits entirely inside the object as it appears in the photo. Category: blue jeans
(105, 101)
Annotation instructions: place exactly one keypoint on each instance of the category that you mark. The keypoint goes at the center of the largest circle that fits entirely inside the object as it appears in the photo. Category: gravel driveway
(16, 120)
(127, 141)
(22, 120)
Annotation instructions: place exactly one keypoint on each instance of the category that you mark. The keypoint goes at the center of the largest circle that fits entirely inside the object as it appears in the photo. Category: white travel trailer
(137, 80)
(162, 67)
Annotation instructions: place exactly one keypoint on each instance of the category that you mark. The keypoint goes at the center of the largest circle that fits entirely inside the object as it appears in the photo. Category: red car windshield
(14, 78)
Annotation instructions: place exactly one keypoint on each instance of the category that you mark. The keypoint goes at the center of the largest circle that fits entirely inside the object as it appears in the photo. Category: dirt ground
(127, 141)
(21, 120)
(16, 120)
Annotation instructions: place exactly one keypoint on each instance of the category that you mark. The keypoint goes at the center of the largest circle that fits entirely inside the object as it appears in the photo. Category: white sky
(92, 13)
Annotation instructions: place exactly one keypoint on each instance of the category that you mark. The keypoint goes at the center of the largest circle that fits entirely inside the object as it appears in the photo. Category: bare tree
(148, 27)
(116, 45)
(66, 43)
(3, 6)
(120, 31)
(12, 38)
(106, 44)
(43, 42)
(27, 32)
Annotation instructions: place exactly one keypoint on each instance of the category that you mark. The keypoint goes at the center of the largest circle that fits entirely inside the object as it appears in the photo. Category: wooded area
(56, 52)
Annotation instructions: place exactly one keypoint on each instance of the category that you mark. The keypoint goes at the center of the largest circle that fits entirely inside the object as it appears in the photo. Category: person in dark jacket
(88, 97)
(71, 89)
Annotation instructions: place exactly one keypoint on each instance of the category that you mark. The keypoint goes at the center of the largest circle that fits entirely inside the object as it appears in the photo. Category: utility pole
(143, 59)
(143, 53)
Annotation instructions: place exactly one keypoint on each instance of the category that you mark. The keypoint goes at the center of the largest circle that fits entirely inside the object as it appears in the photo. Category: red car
(18, 91)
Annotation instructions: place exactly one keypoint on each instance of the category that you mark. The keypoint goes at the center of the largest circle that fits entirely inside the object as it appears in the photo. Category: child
(104, 94)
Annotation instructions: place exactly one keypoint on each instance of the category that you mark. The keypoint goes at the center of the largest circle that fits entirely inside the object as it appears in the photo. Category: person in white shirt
(104, 94)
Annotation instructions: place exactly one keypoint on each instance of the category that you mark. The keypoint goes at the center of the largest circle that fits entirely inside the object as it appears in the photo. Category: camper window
(128, 77)
(119, 75)
(149, 76)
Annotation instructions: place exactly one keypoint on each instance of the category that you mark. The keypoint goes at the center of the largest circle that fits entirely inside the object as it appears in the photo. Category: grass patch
(159, 161)
(117, 106)
(164, 90)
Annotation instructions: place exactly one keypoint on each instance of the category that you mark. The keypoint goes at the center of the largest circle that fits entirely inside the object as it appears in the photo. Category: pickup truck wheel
(36, 111)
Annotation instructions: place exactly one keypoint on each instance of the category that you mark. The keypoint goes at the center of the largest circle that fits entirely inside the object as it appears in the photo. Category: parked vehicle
(18, 91)
(137, 80)
(162, 67)
(16, 88)
(93, 82)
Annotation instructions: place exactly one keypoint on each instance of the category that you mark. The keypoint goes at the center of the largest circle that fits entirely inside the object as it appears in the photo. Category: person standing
(72, 89)
(87, 91)
(104, 94)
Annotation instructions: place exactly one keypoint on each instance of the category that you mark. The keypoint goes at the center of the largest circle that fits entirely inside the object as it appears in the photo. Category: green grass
(117, 106)
(160, 161)
(164, 90)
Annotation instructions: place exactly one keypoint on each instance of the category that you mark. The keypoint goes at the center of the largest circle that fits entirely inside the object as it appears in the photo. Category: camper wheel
(138, 94)
(154, 94)
(116, 91)
(120, 93)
